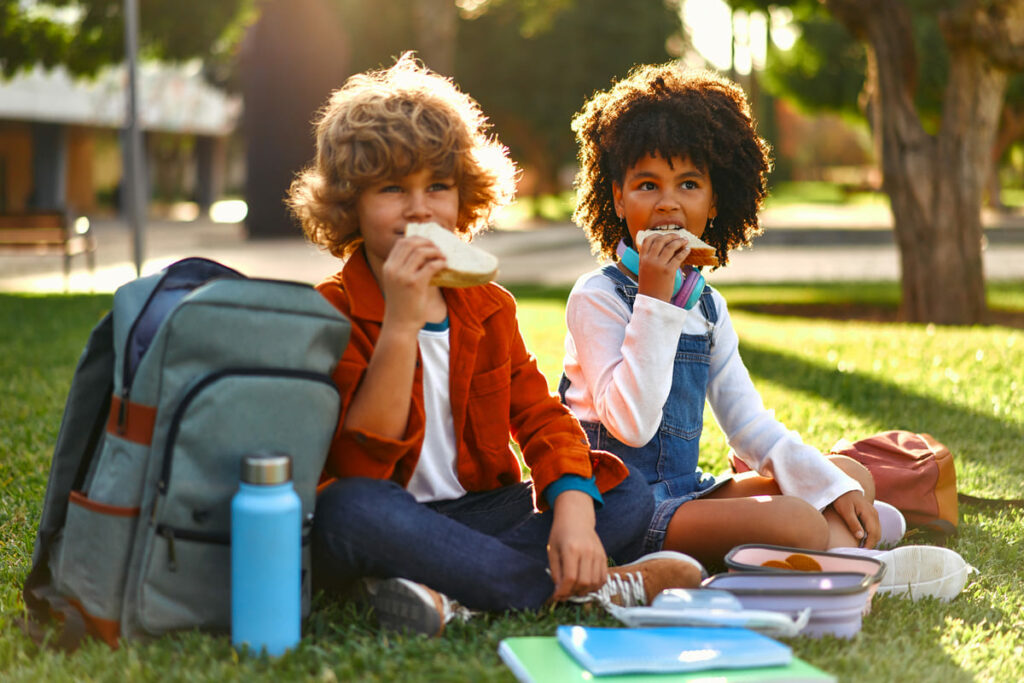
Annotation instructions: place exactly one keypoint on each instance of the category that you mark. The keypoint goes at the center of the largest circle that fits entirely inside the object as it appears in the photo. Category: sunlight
(708, 24)
(229, 211)
(712, 27)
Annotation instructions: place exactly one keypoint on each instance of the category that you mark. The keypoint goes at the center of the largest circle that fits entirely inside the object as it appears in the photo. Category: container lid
(792, 584)
(266, 468)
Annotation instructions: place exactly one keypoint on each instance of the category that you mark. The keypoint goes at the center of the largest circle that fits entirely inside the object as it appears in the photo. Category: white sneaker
(892, 523)
(401, 604)
(637, 583)
(923, 571)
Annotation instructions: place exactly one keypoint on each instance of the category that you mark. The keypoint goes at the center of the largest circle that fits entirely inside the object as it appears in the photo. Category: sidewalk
(799, 244)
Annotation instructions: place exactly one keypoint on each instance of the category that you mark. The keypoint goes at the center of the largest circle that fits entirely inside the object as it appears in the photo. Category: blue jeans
(486, 550)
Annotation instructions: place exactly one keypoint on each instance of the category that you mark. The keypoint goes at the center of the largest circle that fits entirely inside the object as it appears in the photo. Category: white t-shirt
(620, 368)
(435, 477)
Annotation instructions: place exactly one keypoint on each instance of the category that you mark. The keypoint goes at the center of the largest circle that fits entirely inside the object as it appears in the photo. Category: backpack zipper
(172, 435)
(214, 537)
(127, 373)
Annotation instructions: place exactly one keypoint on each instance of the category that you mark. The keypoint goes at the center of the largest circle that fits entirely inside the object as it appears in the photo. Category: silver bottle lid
(266, 468)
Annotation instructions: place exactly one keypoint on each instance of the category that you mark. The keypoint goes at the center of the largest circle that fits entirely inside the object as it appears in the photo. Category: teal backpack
(192, 369)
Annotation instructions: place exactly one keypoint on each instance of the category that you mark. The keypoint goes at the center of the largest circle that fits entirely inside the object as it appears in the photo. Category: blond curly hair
(386, 124)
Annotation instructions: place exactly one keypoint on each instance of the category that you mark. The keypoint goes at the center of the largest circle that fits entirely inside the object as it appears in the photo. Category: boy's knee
(857, 471)
(633, 497)
(348, 500)
(625, 516)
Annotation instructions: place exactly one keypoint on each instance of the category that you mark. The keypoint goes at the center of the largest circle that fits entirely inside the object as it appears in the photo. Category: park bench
(47, 232)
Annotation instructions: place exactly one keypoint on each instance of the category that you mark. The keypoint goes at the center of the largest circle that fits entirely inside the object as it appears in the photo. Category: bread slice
(468, 266)
(701, 253)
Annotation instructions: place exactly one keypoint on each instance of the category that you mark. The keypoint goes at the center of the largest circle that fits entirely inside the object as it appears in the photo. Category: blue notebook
(669, 649)
(540, 659)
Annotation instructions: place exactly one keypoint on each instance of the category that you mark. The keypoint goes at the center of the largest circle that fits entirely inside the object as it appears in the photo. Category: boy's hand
(575, 554)
(661, 257)
(860, 516)
(405, 280)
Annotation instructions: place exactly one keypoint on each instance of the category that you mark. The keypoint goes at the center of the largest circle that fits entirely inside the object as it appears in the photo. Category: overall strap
(707, 306)
(624, 283)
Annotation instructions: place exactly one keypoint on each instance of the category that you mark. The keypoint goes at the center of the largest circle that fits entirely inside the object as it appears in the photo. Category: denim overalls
(669, 460)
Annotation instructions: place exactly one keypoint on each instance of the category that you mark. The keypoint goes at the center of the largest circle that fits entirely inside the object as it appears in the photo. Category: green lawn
(825, 378)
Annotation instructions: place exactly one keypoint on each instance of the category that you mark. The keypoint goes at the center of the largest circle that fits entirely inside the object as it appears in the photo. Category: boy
(428, 506)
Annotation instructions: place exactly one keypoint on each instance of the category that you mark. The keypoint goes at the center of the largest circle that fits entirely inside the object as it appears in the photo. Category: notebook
(540, 659)
(669, 648)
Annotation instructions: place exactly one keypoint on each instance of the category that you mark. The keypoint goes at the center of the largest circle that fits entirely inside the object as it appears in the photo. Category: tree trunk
(934, 182)
(1011, 129)
(435, 23)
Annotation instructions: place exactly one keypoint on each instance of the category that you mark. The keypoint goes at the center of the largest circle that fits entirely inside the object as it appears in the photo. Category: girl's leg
(708, 528)
(839, 535)
(804, 532)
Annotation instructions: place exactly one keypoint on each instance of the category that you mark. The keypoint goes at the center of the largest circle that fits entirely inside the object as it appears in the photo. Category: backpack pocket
(91, 559)
(184, 580)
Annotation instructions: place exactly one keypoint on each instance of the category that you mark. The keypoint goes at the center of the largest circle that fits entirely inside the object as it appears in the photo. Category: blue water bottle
(266, 564)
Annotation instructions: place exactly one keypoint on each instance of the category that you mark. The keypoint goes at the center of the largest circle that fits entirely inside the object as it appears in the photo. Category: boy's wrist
(572, 482)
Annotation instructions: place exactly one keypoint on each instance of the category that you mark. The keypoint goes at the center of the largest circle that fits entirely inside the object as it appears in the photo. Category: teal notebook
(540, 659)
(665, 649)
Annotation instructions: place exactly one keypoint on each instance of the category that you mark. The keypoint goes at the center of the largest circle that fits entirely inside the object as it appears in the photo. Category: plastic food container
(747, 558)
(837, 599)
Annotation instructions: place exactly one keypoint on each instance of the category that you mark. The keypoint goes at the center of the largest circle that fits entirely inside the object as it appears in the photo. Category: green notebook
(540, 659)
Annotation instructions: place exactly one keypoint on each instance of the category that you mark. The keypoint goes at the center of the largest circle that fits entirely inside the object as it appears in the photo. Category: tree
(380, 31)
(532, 64)
(935, 169)
(84, 35)
(825, 70)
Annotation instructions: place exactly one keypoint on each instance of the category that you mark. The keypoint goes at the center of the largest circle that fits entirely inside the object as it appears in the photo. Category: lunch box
(751, 557)
(837, 599)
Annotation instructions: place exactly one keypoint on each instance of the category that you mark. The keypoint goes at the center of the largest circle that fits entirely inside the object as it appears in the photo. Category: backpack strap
(72, 457)
(990, 502)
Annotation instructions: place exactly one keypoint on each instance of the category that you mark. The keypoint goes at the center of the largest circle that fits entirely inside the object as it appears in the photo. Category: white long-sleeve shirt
(620, 368)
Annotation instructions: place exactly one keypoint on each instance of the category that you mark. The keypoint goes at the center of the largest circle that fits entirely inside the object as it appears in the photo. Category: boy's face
(657, 194)
(384, 209)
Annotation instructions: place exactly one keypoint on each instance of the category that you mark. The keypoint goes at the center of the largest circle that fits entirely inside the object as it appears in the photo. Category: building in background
(60, 136)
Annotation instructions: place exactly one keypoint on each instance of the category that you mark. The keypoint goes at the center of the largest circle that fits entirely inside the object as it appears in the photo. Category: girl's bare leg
(839, 535)
(747, 509)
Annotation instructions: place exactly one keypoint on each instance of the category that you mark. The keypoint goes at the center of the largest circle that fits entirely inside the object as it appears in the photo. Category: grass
(787, 192)
(826, 379)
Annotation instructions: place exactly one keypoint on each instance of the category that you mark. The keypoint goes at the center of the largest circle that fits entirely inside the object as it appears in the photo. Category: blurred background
(227, 90)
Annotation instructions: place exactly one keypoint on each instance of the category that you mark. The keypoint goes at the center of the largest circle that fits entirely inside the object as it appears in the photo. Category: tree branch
(995, 29)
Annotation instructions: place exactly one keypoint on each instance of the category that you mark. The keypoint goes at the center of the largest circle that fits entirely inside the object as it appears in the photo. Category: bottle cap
(266, 468)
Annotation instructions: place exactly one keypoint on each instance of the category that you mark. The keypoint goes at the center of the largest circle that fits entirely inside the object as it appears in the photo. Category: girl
(666, 149)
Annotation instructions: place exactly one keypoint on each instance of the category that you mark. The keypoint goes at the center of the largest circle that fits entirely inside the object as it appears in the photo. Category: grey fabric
(231, 366)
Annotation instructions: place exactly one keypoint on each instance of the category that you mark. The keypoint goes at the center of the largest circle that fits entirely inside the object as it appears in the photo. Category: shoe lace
(629, 586)
(455, 611)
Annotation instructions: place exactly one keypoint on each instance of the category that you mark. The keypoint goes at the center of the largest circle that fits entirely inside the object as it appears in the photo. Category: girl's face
(384, 209)
(656, 193)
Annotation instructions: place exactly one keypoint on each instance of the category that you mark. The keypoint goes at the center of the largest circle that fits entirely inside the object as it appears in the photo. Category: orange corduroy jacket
(496, 390)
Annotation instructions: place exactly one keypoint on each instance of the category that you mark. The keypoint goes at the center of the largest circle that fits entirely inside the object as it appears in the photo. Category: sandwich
(468, 266)
(701, 253)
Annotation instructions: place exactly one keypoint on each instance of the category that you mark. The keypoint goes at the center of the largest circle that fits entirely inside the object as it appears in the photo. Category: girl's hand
(860, 516)
(661, 257)
(405, 281)
(576, 556)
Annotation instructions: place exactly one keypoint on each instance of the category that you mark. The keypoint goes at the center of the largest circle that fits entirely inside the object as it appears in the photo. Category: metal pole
(134, 174)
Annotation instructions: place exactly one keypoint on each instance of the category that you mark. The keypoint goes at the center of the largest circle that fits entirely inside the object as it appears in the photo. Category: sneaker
(401, 604)
(920, 571)
(892, 523)
(637, 583)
